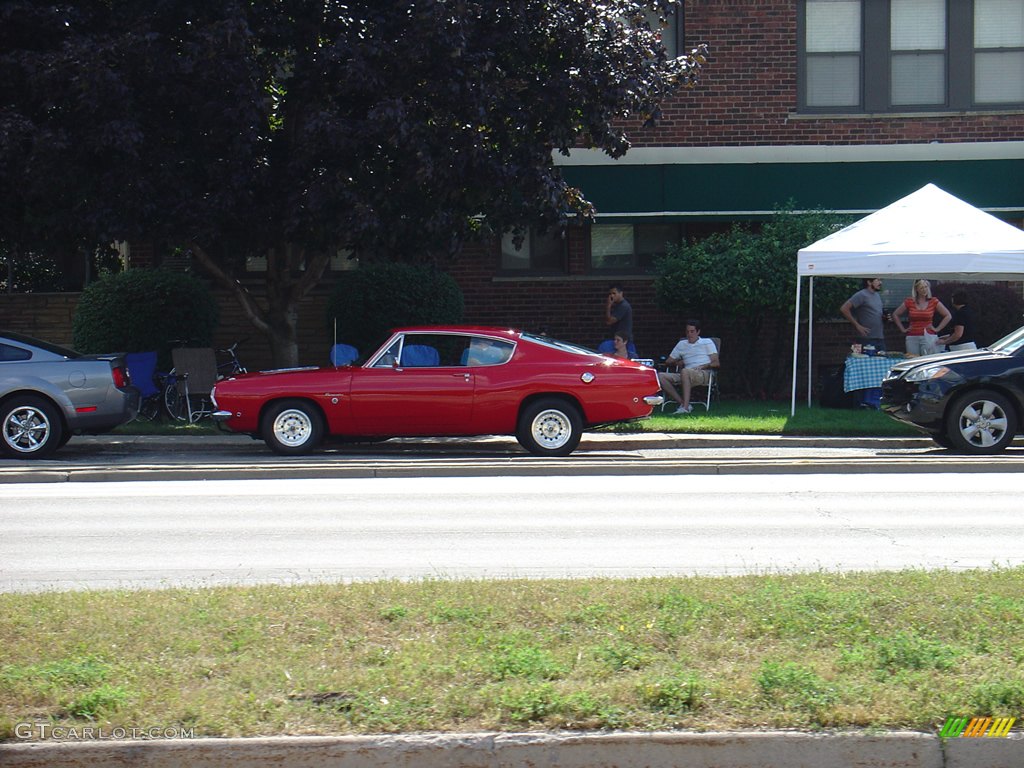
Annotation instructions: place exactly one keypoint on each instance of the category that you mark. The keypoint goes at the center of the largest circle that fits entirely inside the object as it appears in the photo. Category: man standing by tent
(864, 311)
(618, 315)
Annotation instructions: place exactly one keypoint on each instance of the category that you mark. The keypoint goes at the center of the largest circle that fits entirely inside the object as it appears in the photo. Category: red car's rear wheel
(550, 427)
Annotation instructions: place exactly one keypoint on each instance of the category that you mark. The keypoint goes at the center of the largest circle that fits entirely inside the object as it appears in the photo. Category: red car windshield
(565, 346)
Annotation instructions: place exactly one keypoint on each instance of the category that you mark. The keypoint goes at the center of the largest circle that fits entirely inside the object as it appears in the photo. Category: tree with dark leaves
(297, 129)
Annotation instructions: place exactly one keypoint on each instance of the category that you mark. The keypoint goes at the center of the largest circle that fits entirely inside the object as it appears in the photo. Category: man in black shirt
(962, 324)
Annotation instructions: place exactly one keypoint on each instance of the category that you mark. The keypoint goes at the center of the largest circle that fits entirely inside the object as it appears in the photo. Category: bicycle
(174, 401)
(232, 366)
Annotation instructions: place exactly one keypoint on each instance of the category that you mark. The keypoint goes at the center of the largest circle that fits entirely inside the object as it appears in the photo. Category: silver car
(49, 393)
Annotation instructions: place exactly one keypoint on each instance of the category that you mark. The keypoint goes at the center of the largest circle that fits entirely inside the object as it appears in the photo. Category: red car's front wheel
(293, 427)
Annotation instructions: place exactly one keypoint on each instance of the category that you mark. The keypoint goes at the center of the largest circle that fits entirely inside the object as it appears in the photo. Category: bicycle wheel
(174, 403)
(152, 408)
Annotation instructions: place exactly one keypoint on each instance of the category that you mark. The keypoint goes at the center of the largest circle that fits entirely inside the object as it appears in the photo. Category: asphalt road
(110, 457)
(168, 533)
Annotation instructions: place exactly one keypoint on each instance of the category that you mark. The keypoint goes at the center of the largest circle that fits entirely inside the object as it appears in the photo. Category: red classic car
(443, 381)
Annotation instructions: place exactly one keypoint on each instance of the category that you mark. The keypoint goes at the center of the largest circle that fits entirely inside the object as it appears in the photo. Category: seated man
(695, 357)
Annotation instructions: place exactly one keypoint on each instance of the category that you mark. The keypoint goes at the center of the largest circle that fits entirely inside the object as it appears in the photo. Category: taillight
(120, 377)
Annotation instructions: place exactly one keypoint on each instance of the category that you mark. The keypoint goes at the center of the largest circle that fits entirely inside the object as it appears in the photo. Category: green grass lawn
(746, 417)
(898, 650)
(166, 427)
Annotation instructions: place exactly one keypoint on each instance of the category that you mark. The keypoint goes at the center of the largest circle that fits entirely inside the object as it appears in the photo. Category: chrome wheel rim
(26, 429)
(293, 427)
(551, 429)
(983, 424)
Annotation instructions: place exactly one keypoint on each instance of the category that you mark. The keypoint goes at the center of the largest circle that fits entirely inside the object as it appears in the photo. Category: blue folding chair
(419, 356)
(343, 354)
(142, 373)
(607, 347)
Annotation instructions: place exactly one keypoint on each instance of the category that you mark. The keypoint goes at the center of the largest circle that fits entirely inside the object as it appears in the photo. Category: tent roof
(929, 233)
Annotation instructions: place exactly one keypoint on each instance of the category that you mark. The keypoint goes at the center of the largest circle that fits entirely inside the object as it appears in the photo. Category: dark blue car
(972, 402)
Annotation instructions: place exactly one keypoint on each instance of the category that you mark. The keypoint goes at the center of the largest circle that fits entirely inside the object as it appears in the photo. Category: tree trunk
(278, 320)
(284, 344)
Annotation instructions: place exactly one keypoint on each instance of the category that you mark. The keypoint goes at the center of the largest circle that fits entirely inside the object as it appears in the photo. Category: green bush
(142, 310)
(369, 302)
(745, 277)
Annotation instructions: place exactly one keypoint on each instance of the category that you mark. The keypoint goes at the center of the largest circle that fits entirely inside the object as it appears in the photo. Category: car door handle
(466, 376)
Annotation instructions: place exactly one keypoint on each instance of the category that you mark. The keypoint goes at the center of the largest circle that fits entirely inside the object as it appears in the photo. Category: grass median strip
(815, 651)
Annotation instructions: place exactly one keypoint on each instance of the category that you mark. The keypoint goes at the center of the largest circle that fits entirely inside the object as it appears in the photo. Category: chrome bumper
(654, 400)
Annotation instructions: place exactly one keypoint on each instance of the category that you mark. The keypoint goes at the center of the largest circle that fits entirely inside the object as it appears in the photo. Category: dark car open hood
(946, 358)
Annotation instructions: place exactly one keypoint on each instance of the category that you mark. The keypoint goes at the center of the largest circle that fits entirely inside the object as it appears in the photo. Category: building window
(341, 261)
(910, 55)
(539, 253)
(670, 32)
(917, 41)
(998, 52)
(617, 247)
(832, 53)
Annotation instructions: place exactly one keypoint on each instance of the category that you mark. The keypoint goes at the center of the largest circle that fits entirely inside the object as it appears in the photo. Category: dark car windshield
(1009, 345)
(44, 345)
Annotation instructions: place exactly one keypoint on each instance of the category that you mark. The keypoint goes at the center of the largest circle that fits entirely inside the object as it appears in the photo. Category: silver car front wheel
(31, 428)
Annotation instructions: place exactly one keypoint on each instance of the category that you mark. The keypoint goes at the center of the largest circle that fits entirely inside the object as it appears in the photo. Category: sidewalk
(148, 444)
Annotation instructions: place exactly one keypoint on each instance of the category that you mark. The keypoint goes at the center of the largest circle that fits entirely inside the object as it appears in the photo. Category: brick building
(844, 105)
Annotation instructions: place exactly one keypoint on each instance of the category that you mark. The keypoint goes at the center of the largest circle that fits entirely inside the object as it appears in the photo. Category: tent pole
(796, 345)
(810, 335)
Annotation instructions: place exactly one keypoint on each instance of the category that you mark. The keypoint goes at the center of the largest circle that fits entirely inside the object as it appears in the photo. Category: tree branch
(253, 311)
(315, 268)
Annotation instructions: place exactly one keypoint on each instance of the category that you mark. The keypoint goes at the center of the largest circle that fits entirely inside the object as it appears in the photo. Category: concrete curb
(190, 443)
(237, 457)
(534, 750)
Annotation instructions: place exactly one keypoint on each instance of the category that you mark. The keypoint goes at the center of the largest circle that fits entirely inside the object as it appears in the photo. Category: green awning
(755, 190)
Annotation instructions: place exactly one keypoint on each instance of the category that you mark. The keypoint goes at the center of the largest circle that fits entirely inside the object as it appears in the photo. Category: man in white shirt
(695, 357)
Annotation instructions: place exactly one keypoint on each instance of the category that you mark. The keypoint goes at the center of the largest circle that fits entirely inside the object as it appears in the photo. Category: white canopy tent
(929, 233)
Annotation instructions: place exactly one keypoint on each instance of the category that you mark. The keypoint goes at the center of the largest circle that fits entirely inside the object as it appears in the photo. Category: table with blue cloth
(866, 373)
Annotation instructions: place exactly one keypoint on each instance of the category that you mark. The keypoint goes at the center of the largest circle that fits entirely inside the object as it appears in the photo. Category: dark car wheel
(981, 422)
(293, 427)
(550, 427)
(31, 428)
